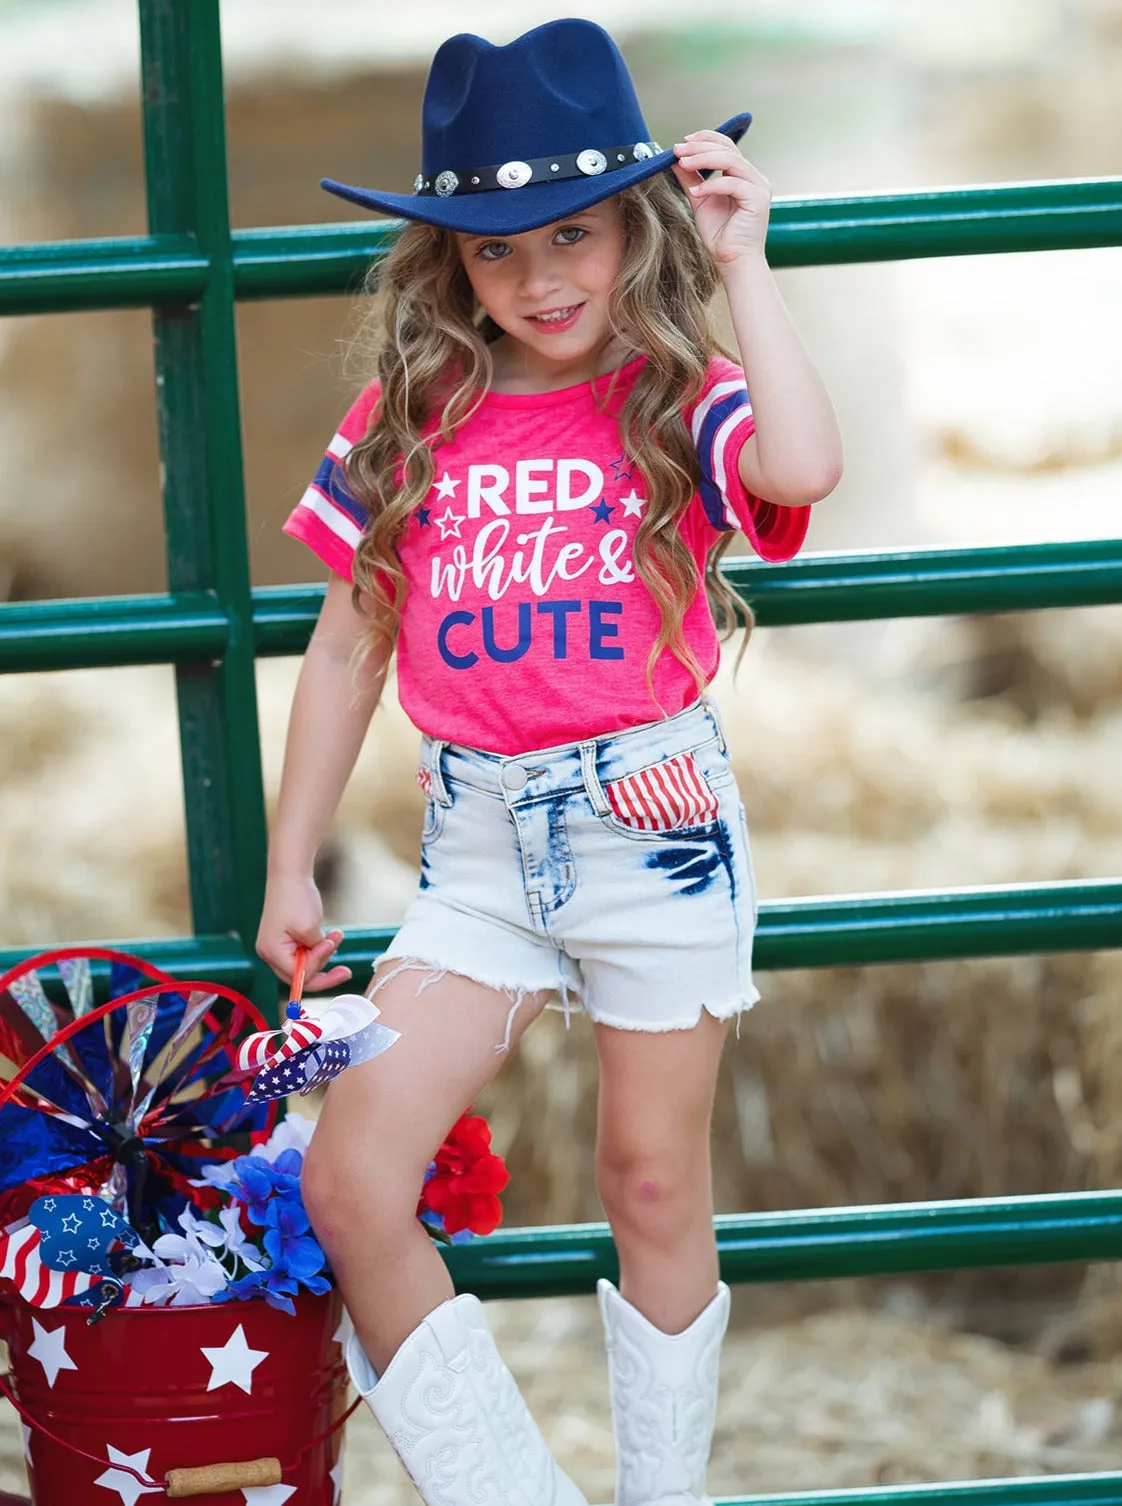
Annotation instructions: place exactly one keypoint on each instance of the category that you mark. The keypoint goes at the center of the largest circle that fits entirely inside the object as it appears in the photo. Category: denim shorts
(613, 873)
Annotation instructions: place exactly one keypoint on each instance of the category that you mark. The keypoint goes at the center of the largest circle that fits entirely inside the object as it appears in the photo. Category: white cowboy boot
(455, 1417)
(664, 1400)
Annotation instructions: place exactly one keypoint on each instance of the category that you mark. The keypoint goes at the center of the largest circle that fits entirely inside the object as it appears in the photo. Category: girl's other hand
(730, 208)
(292, 917)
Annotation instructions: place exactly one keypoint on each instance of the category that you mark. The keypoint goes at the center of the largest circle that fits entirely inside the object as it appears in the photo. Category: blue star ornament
(77, 1233)
(602, 511)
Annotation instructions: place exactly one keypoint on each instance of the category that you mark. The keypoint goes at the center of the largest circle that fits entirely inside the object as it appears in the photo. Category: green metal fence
(191, 270)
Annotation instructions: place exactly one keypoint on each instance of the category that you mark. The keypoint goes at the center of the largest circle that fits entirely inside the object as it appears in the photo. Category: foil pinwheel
(128, 1099)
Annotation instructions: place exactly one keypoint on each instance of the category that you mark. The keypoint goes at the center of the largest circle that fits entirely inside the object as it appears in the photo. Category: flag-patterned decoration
(268, 1047)
(346, 1032)
(670, 796)
(22, 1270)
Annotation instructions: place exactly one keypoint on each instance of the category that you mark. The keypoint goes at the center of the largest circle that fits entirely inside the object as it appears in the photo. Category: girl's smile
(549, 291)
(557, 319)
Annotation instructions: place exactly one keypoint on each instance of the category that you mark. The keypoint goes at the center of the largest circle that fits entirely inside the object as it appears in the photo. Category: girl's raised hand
(731, 208)
(292, 917)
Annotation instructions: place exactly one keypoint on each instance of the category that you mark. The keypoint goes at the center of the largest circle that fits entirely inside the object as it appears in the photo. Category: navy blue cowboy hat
(518, 136)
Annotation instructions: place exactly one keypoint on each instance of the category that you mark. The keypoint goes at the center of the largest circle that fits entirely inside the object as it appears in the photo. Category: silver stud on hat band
(513, 174)
(516, 173)
(591, 162)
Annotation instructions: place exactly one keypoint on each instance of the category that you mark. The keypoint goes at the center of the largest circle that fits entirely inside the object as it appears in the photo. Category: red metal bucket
(169, 1389)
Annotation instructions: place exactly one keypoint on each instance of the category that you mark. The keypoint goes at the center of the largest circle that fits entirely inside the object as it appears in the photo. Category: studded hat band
(587, 164)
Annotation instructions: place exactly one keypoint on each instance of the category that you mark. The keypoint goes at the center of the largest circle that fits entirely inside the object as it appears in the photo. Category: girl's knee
(655, 1198)
(346, 1195)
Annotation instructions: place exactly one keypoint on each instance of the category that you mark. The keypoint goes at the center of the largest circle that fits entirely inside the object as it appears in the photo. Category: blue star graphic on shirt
(602, 512)
(424, 514)
(620, 468)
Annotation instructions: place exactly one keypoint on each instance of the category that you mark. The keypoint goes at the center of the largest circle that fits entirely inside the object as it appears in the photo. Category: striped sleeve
(721, 422)
(329, 518)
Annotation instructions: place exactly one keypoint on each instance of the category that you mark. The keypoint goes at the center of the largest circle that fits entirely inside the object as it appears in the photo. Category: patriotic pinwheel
(127, 1100)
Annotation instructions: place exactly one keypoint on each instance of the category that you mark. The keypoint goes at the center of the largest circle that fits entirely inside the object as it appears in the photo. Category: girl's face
(549, 288)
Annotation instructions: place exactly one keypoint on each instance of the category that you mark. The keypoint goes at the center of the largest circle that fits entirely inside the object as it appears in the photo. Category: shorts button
(514, 777)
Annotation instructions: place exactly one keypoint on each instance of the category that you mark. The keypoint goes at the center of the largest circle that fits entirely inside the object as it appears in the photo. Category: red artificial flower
(467, 1179)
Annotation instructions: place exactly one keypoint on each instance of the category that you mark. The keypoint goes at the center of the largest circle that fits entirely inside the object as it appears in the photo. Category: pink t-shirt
(526, 624)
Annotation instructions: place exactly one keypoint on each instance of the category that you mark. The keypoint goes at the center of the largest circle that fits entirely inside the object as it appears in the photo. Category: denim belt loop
(718, 724)
(600, 802)
(435, 755)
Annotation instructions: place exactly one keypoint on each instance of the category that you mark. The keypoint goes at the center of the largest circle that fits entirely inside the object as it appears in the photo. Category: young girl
(528, 504)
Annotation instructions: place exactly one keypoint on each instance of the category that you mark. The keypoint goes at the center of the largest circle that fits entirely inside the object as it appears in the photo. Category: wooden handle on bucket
(211, 1478)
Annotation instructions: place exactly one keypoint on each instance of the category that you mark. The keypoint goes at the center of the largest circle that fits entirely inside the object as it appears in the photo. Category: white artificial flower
(184, 1283)
(236, 1241)
(220, 1174)
(192, 1243)
(294, 1132)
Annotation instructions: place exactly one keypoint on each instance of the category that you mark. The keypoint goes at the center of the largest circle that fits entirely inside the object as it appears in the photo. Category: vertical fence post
(200, 446)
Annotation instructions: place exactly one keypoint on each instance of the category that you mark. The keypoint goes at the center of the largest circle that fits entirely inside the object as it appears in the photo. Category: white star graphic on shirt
(234, 1363)
(49, 1349)
(449, 524)
(267, 1495)
(336, 1477)
(633, 504)
(445, 487)
(128, 1488)
(26, 1442)
(344, 1331)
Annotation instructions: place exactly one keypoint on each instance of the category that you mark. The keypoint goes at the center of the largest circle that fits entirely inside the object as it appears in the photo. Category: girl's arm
(795, 455)
(331, 711)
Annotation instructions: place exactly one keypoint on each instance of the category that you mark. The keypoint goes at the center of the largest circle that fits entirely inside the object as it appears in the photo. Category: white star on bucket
(267, 1495)
(445, 487)
(234, 1363)
(49, 1349)
(129, 1489)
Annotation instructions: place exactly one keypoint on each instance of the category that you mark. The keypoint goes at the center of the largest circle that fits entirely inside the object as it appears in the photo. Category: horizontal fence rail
(1047, 1490)
(849, 931)
(295, 261)
(815, 1244)
(815, 588)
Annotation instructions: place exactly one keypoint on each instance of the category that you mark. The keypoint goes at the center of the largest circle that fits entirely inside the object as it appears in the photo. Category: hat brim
(511, 211)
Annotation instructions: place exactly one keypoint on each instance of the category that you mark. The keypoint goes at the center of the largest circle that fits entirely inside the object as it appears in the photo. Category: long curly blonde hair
(429, 338)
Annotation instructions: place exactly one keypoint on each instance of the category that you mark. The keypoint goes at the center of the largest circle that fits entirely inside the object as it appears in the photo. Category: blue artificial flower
(256, 1181)
(276, 1286)
(289, 1245)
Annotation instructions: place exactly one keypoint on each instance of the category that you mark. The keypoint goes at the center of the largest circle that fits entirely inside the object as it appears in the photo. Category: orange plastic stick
(298, 974)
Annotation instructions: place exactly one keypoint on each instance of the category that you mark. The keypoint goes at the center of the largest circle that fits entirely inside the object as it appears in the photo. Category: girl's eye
(575, 231)
(493, 250)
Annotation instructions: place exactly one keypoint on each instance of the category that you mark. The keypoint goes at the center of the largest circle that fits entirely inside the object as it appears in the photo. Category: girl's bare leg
(653, 1170)
(381, 1124)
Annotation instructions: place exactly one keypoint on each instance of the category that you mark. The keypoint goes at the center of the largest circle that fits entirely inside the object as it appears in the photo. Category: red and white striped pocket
(669, 796)
(424, 778)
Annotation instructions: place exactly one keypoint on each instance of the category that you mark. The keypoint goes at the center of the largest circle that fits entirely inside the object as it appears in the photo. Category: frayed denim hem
(734, 1010)
(517, 993)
